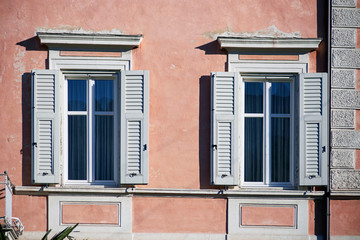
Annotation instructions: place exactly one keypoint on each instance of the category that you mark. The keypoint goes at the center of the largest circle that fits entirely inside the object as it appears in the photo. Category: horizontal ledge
(88, 39)
(32, 190)
(344, 193)
(268, 43)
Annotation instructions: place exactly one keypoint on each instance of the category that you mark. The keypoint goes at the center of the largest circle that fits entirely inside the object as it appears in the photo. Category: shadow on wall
(204, 131)
(210, 48)
(322, 21)
(31, 44)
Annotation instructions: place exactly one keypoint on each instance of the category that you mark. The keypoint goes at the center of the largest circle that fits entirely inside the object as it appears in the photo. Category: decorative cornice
(69, 39)
(239, 43)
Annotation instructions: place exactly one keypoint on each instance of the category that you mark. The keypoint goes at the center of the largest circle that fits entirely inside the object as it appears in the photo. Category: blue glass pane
(280, 97)
(280, 149)
(77, 148)
(253, 149)
(104, 148)
(77, 95)
(104, 95)
(254, 97)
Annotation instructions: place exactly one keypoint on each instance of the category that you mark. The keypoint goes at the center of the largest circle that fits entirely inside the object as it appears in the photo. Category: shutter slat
(313, 129)
(45, 127)
(134, 122)
(224, 165)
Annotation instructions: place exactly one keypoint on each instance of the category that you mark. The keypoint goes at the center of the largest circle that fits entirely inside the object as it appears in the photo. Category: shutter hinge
(144, 147)
(323, 149)
(214, 147)
(34, 144)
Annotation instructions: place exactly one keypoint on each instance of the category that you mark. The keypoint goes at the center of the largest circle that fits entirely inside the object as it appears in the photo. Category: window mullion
(91, 131)
(267, 125)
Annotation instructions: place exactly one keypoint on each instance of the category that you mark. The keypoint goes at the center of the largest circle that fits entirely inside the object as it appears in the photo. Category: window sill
(35, 190)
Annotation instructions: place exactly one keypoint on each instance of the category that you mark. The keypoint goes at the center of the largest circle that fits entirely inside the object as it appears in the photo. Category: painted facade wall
(179, 48)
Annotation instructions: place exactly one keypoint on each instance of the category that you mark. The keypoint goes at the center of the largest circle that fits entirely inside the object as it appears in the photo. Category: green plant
(2, 233)
(61, 235)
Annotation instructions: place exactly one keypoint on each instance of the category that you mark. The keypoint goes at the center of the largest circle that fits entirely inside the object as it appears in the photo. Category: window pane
(280, 149)
(280, 97)
(77, 95)
(104, 148)
(254, 97)
(253, 149)
(77, 148)
(104, 95)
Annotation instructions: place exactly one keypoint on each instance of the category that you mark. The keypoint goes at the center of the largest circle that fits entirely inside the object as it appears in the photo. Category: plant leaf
(46, 234)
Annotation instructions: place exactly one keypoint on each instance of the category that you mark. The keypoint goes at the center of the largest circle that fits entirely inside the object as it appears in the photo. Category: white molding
(56, 61)
(33, 190)
(268, 43)
(55, 203)
(178, 236)
(334, 237)
(273, 237)
(301, 217)
(345, 193)
(66, 39)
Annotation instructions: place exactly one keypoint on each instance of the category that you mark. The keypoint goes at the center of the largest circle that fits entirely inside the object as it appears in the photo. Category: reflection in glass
(104, 147)
(253, 149)
(280, 97)
(254, 97)
(77, 95)
(280, 149)
(104, 95)
(77, 163)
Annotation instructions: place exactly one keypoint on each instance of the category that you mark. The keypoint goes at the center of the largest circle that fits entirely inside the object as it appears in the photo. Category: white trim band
(32, 190)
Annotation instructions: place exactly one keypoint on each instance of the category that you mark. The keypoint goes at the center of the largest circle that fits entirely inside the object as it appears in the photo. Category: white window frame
(266, 115)
(90, 79)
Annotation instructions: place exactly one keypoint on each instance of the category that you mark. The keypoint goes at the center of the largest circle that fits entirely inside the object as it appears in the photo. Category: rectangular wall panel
(90, 213)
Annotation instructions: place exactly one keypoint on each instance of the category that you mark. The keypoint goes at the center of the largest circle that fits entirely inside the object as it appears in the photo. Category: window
(267, 113)
(91, 124)
(90, 112)
(269, 116)
(104, 130)
(262, 128)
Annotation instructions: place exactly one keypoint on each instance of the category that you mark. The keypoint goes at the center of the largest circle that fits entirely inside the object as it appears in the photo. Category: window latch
(132, 174)
(214, 147)
(311, 176)
(45, 173)
(323, 149)
(223, 175)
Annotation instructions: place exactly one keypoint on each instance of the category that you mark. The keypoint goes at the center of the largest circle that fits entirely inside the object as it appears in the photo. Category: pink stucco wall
(179, 215)
(179, 50)
(345, 217)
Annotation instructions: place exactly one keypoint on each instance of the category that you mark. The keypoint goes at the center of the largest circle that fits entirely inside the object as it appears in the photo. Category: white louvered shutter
(45, 126)
(313, 157)
(134, 127)
(224, 129)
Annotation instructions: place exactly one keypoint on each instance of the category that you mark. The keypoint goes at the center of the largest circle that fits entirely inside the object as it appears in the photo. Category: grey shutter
(134, 131)
(45, 126)
(224, 129)
(313, 156)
